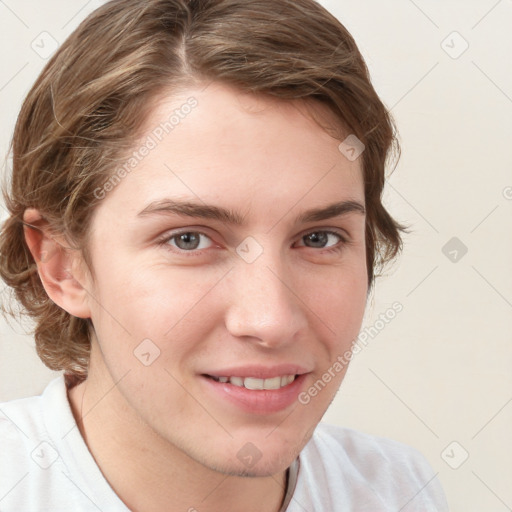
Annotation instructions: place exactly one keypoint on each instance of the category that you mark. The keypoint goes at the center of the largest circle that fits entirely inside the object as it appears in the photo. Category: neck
(150, 474)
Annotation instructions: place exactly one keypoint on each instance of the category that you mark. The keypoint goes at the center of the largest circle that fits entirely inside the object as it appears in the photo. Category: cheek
(338, 298)
(137, 302)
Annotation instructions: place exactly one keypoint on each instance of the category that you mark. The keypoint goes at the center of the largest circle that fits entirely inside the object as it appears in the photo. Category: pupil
(316, 239)
(188, 241)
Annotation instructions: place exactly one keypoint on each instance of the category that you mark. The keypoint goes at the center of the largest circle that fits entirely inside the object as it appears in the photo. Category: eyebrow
(206, 211)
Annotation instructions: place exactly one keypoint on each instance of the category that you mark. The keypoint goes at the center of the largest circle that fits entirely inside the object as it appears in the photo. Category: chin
(263, 456)
(264, 467)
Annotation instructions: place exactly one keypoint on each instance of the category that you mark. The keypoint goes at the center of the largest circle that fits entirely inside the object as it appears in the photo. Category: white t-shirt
(45, 466)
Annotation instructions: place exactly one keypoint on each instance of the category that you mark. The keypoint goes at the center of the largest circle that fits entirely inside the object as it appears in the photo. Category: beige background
(439, 375)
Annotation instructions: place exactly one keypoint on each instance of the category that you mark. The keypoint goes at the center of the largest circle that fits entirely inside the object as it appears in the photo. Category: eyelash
(164, 242)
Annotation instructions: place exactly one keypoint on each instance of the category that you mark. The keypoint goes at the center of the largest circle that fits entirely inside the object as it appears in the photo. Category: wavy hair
(85, 110)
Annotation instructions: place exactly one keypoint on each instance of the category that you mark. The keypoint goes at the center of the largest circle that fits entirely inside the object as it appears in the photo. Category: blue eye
(190, 241)
(321, 239)
(194, 241)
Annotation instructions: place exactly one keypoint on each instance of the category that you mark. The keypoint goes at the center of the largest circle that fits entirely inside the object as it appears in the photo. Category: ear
(60, 267)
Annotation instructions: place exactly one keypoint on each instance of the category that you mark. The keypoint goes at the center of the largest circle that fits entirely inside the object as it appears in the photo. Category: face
(231, 258)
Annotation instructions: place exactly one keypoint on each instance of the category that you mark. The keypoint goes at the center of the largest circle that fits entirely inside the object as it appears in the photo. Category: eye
(189, 241)
(321, 239)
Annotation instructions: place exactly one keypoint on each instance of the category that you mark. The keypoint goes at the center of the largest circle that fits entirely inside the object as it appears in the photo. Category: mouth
(256, 389)
(254, 383)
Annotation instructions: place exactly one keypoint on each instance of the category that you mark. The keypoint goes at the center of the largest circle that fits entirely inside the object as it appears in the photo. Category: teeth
(251, 383)
(273, 383)
(255, 384)
(237, 381)
(287, 379)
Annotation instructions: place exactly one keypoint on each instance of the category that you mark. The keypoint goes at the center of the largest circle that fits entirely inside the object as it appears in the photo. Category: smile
(254, 383)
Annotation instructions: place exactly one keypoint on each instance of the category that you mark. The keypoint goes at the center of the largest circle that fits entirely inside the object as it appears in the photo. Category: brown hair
(91, 99)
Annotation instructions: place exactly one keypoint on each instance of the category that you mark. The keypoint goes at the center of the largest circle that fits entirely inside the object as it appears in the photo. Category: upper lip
(258, 371)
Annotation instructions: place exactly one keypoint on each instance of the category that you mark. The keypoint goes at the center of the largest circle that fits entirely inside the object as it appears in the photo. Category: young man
(196, 221)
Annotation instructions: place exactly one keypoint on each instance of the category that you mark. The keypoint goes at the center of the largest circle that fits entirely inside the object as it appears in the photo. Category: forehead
(219, 144)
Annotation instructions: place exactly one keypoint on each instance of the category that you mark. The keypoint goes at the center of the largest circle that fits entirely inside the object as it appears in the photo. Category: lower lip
(261, 401)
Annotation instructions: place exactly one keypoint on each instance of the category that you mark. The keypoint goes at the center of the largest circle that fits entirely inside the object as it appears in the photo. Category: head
(180, 207)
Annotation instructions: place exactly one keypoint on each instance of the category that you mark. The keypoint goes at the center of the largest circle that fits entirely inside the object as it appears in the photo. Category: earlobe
(56, 265)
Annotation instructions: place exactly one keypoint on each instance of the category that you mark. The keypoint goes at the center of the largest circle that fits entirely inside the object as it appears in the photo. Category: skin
(208, 308)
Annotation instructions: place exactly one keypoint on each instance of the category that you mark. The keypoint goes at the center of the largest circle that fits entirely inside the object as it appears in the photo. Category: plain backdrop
(438, 376)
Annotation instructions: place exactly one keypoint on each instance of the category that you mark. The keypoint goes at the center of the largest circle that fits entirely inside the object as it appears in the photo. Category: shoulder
(45, 463)
(29, 453)
(23, 412)
(370, 471)
(362, 449)
(26, 418)
(21, 424)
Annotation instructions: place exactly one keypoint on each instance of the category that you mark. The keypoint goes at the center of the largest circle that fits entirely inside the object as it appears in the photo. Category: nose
(263, 305)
